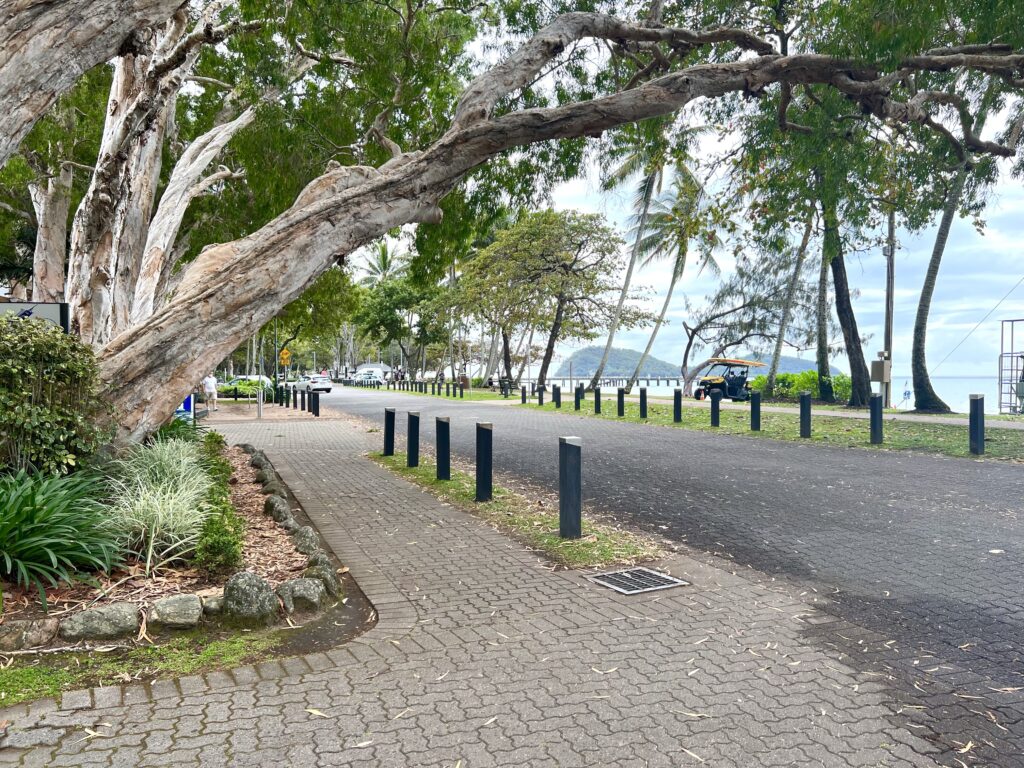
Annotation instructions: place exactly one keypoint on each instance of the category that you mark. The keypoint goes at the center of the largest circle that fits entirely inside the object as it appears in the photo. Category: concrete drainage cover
(636, 580)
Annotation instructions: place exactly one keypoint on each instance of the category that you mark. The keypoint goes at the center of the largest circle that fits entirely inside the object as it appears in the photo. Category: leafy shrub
(50, 405)
(220, 543)
(52, 527)
(180, 429)
(788, 386)
(245, 389)
(160, 500)
(218, 467)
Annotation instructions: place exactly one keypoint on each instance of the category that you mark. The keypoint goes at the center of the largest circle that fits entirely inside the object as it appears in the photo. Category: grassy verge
(476, 394)
(526, 520)
(36, 677)
(947, 439)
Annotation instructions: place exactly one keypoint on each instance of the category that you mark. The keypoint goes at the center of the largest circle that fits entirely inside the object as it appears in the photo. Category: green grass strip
(528, 521)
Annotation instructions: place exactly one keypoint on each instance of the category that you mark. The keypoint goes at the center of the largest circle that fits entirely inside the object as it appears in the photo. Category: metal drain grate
(636, 580)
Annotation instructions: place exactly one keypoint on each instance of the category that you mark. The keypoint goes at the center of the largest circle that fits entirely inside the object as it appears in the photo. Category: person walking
(210, 390)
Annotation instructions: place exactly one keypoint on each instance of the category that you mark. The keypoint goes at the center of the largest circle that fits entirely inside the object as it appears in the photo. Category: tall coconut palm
(647, 157)
(384, 263)
(673, 222)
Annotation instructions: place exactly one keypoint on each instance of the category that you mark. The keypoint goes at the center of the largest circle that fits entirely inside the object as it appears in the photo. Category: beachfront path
(484, 656)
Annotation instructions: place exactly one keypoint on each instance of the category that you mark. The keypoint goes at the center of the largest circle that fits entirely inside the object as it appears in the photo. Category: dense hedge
(50, 405)
(788, 386)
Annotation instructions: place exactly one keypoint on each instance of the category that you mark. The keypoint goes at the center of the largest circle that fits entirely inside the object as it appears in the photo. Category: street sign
(285, 356)
(54, 312)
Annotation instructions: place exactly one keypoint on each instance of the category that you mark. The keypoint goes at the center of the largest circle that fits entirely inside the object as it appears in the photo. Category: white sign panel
(55, 313)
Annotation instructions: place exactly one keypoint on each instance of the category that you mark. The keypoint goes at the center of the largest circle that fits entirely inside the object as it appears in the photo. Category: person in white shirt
(210, 390)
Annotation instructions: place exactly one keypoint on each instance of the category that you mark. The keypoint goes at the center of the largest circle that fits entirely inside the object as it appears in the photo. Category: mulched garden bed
(267, 550)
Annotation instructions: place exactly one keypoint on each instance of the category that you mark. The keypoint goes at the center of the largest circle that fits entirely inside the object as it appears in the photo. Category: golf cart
(727, 375)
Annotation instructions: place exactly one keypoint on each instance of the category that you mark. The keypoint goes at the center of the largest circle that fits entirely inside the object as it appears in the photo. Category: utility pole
(890, 285)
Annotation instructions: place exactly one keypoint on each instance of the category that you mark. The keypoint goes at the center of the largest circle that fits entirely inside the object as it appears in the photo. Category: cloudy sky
(977, 271)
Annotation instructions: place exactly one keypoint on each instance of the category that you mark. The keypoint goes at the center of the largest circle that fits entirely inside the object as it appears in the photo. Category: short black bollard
(977, 425)
(805, 414)
(295, 398)
(556, 395)
(433, 387)
(875, 406)
(570, 488)
(755, 411)
(462, 392)
(316, 404)
(302, 401)
(443, 437)
(620, 402)
(236, 394)
(597, 400)
(716, 407)
(643, 402)
(677, 405)
(389, 431)
(412, 440)
(484, 461)
(578, 397)
(522, 394)
(540, 397)
(447, 389)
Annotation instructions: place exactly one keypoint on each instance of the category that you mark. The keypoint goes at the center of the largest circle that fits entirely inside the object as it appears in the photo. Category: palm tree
(647, 157)
(673, 221)
(383, 264)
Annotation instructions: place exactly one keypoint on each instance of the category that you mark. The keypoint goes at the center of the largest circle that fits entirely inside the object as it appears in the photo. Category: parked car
(368, 377)
(314, 383)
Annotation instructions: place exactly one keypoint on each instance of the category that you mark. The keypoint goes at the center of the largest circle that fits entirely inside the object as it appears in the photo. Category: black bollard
(236, 394)
(556, 395)
(412, 440)
(875, 405)
(570, 488)
(540, 397)
(302, 401)
(578, 397)
(443, 436)
(755, 411)
(597, 400)
(316, 404)
(432, 388)
(620, 402)
(805, 414)
(976, 430)
(484, 459)
(523, 394)
(677, 405)
(389, 431)
(716, 407)
(447, 389)
(643, 402)
(462, 392)
(295, 398)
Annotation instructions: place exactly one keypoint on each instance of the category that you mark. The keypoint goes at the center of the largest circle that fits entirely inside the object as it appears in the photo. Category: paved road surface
(926, 554)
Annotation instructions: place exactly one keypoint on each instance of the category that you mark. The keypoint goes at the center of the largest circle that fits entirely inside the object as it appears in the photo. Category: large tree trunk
(925, 398)
(549, 349)
(825, 391)
(232, 289)
(506, 354)
(677, 273)
(51, 200)
(46, 46)
(633, 255)
(787, 309)
(860, 390)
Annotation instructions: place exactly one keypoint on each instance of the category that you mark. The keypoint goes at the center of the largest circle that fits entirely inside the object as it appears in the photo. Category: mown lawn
(946, 439)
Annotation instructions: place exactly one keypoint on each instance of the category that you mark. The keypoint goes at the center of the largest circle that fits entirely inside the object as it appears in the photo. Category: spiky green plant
(53, 529)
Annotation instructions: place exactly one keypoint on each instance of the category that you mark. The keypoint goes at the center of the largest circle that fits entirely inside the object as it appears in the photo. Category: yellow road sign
(285, 356)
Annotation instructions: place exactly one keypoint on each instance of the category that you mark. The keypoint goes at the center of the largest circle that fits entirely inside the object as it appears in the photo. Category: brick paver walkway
(485, 656)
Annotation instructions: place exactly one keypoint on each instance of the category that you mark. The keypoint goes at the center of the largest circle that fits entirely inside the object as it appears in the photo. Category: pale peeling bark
(234, 288)
(110, 226)
(46, 45)
(51, 199)
(186, 183)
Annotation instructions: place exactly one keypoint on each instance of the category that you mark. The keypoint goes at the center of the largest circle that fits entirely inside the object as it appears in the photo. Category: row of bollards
(570, 477)
(285, 396)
